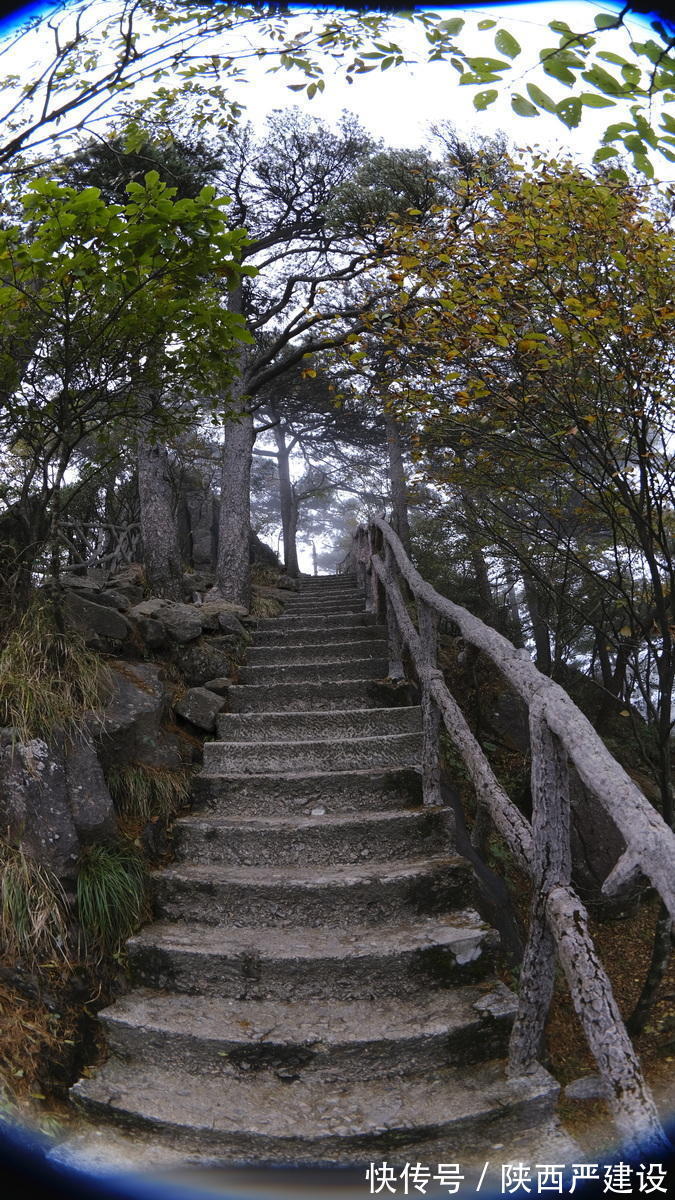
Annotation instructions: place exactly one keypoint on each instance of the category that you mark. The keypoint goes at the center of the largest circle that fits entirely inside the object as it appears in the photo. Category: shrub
(112, 898)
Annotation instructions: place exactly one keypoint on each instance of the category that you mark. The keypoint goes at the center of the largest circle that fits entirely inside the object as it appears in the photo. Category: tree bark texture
(397, 479)
(233, 570)
(287, 501)
(159, 530)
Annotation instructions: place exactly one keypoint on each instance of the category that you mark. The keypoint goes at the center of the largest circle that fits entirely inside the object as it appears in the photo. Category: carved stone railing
(559, 735)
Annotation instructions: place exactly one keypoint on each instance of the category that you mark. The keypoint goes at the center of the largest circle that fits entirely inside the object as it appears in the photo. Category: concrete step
(331, 897)
(315, 696)
(344, 651)
(305, 636)
(305, 621)
(274, 1120)
(336, 591)
(312, 793)
(329, 754)
(338, 1040)
(257, 963)
(306, 726)
(311, 840)
(312, 582)
(316, 672)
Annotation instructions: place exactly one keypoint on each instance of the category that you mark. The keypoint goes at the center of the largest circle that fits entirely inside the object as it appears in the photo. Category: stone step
(321, 606)
(314, 696)
(304, 621)
(311, 582)
(268, 1121)
(329, 754)
(331, 897)
(308, 963)
(318, 792)
(334, 632)
(336, 1040)
(316, 672)
(344, 651)
(320, 840)
(306, 726)
(336, 591)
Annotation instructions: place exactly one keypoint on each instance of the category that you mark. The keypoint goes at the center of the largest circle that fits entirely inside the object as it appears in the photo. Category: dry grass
(142, 792)
(48, 681)
(265, 606)
(33, 911)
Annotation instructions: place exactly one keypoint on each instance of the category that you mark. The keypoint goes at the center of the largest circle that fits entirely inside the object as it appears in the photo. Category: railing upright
(427, 621)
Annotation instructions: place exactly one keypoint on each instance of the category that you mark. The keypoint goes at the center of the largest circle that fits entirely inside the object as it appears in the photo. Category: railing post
(552, 868)
(431, 717)
(395, 645)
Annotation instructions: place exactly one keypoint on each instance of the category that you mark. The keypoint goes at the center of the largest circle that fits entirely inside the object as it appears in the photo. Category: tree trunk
(397, 480)
(540, 630)
(233, 565)
(159, 533)
(233, 568)
(286, 499)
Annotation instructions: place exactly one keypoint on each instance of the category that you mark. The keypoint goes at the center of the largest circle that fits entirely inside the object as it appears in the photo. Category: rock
(587, 1087)
(128, 582)
(220, 685)
(35, 812)
(94, 619)
(205, 659)
(220, 614)
(90, 801)
(181, 621)
(201, 707)
(130, 729)
(152, 632)
(286, 582)
(113, 600)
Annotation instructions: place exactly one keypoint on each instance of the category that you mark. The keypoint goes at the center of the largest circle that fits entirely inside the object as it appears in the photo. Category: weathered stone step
(335, 791)
(329, 754)
(306, 963)
(337, 896)
(320, 840)
(277, 1121)
(305, 726)
(344, 651)
(323, 607)
(314, 696)
(337, 591)
(305, 621)
(305, 636)
(338, 1040)
(317, 672)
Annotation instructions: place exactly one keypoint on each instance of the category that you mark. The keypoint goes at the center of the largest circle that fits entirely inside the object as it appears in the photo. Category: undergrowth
(141, 791)
(33, 911)
(265, 606)
(112, 897)
(47, 680)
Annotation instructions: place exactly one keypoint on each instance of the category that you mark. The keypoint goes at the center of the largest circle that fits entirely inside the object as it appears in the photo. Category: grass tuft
(33, 911)
(112, 897)
(140, 791)
(265, 606)
(47, 680)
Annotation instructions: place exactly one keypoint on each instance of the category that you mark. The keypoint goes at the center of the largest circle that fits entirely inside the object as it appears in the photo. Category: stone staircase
(317, 987)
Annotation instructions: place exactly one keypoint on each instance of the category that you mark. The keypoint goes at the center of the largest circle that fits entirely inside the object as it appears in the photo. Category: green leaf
(569, 111)
(601, 79)
(608, 56)
(605, 21)
(507, 44)
(483, 99)
(522, 107)
(604, 153)
(453, 26)
(555, 68)
(483, 65)
(643, 164)
(486, 24)
(540, 98)
(592, 100)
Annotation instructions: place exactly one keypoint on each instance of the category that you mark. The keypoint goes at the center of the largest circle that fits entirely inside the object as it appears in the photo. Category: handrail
(559, 733)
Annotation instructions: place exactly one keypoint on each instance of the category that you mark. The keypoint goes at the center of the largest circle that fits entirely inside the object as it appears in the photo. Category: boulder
(130, 729)
(206, 658)
(35, 812)
(181, 621)
(218, 615)
(128, 582)
(152, 632)
(201, 707)
(220, 685)
(113, 600)
(94, 619)
(90, 801)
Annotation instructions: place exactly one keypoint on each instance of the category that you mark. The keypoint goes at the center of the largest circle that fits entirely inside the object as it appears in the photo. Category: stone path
(317, 987)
